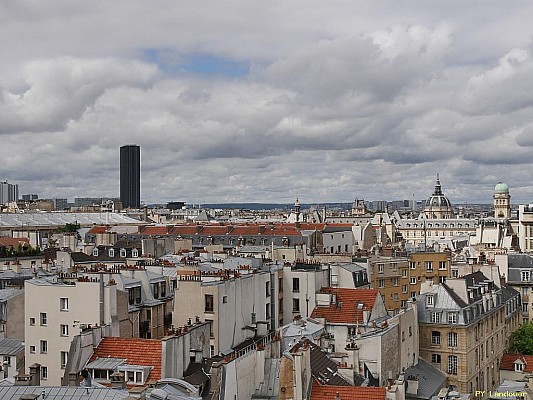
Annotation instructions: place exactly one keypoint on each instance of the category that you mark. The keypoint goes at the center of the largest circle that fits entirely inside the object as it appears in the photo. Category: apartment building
(398, 279)
(55, 310)
(464, 327)
(239, 303)
(301, 280)
(518, 269)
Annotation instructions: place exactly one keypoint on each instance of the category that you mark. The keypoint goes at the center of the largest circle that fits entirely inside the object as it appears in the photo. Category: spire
(438, 188)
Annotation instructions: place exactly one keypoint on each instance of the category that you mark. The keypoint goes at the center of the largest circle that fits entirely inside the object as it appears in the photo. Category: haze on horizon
(268, 101)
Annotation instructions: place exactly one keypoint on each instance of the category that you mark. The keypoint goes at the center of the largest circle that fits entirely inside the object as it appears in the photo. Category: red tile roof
(98, 229)
(347, 313)
(214, 230)
(13, 242)
(311, 227)
(244, 230)
(145, 352)
(325, 392)
(184, 230)
(508, 360)
(154, 230)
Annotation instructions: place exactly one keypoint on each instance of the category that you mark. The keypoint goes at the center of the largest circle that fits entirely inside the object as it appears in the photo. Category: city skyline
(259, 102)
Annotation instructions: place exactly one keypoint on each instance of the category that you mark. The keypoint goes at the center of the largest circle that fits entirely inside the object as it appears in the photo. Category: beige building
(502, 201)
(55, 311)
(465, 325)
(398, 279)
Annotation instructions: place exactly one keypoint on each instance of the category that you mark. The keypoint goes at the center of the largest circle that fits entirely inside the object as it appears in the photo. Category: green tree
(522, 340)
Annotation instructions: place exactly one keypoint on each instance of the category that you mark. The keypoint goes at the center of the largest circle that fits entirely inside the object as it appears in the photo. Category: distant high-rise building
(8, 192)
(130, 176)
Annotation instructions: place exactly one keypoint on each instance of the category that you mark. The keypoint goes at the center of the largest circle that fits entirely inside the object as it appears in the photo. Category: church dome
(438, 205)
(501, 188)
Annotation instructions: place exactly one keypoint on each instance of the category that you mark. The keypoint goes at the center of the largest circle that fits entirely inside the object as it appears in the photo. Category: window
(525, 290)
(295, 284)
(430, 300)
(435, 358)
(111, 253)
(123, 253)
(442, 264)
(412, 281)
(429, 265)
(267, 289)
(412, 265)
(518, 366)
(44, 372)
(525, 276)
(403, 303)
(43, 318)
(32, 321)
(209, 303)
(410, 331)
(452, 339)
(452, 317)
(64, 359)
(280, 284)
(452, 365)
(32, 349)
(224, 299)
(524, 307)
(163, 289)
(95, 252)
(380, 268)
(135, 253)
(435, 337)
(63, 303)
(412, 295)
(404, 288)
(442, 279)
(295, 305)
(155, 290)
(395, 281)
(44, 346)
(455, 273)
(404, 272)
(435, 317)
(267, 311)
(382, 283)
(63, 330)
(394, 266)
(7, 361)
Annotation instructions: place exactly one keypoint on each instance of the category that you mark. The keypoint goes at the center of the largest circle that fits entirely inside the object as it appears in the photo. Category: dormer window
(111, 253)
(95, 252)
(525, 276)
(430, 300)
(135, 253)
(123, 253)
(519, 366)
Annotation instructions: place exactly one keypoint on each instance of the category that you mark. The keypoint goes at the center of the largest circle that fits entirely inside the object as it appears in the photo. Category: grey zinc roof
(106, 363)
(517, 262)
(63, 392)
(62, 218)
(430, 379)
(8, 294)
(10, 347)
(269, 388)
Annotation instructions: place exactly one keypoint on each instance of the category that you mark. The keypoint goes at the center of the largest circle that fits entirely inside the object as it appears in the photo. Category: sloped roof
(324, 368)
(98, 229)
(508, 360)
(144, 352)
(154, 230)
(346, 310)
(13, 242)
(328, 392)
(430, 379)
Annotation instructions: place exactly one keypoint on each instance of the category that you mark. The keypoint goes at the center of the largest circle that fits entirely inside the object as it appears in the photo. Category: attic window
(111, 253)
(95, 252)
(135, 253)
(518, 366)
(430, 300)
(123, 253)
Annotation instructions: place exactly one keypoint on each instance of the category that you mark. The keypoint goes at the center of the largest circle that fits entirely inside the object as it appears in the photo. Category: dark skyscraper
(130, 176)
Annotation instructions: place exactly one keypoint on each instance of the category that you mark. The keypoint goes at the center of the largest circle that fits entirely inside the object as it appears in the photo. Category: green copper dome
(501, 188)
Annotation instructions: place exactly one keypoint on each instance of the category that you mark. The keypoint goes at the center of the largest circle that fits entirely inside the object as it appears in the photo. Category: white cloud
(343, 99)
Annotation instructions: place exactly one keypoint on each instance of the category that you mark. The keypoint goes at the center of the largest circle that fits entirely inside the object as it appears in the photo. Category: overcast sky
(266, 101)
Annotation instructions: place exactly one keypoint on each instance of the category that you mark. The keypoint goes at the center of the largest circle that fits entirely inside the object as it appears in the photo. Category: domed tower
(502, 201)
(438, 206)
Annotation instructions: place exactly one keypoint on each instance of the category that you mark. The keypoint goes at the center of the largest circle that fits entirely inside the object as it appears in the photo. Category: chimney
(412, 384)
(35, 375)
(118, 381)
(73, 379)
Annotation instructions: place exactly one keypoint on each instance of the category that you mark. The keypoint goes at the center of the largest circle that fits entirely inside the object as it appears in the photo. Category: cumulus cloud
(257, 102)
